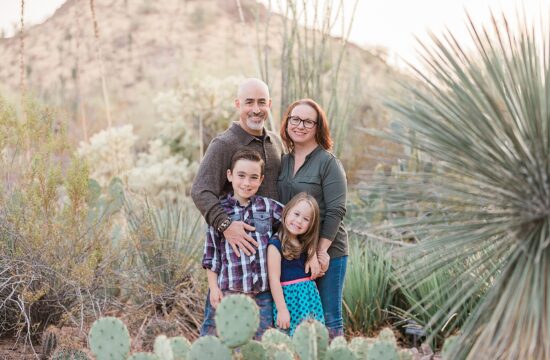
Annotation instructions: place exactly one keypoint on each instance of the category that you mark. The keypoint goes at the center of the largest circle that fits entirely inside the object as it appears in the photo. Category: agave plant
(368, 288)
(483, 117)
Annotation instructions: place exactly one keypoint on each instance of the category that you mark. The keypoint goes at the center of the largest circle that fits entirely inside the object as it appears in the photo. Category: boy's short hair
(247, 154)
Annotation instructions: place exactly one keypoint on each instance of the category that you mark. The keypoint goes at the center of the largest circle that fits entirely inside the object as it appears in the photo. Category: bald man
(253, 104)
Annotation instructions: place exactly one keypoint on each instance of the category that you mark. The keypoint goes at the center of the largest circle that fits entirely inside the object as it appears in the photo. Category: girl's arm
(274, 274)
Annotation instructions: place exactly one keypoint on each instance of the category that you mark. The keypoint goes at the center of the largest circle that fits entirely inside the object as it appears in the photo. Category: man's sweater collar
(245, 137)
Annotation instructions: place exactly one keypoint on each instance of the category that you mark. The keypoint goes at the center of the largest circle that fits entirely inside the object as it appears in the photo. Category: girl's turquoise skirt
(303, 302)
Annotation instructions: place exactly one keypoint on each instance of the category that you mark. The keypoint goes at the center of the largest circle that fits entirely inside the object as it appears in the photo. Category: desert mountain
(150, 46)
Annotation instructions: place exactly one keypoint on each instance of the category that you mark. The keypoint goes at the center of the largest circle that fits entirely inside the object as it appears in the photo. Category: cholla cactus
(168, 105)
(175, 126)
(211, 102)
(109, 153)
(161, 174)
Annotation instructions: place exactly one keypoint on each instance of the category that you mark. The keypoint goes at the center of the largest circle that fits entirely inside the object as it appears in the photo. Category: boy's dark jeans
(264, 300)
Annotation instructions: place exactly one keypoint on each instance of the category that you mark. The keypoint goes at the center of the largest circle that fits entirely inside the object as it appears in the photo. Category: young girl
(295, 295)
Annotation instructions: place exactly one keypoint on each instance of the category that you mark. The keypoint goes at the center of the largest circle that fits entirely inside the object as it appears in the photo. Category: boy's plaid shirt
(246, 274)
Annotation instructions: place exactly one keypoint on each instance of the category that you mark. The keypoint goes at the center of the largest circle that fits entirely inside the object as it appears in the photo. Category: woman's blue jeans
(331, 287)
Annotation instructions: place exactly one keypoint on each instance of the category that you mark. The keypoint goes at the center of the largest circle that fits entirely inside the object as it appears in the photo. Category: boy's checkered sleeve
(211, 258)
(277, 213)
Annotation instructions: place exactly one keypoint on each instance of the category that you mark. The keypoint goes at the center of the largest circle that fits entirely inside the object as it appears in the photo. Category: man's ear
(261, 179)
(269, 103)
(238, 103)
(229, 175)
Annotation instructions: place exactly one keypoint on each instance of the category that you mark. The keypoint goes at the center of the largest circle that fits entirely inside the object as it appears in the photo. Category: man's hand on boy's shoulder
(237, 237)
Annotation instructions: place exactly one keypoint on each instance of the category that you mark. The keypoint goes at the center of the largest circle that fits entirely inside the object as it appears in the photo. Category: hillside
(151, 46)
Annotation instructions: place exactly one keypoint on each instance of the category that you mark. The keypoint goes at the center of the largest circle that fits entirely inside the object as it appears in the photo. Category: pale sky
(392, 24)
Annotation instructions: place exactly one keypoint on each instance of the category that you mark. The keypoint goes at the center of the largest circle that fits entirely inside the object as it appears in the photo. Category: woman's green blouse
(322, 176)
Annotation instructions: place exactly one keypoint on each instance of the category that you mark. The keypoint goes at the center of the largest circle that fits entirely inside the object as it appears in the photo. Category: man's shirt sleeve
(209, 183)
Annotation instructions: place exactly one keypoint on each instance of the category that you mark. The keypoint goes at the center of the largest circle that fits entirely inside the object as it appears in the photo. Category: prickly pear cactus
(387, 335)
(144, 356)
(49, 342)
(109, 339)
(155, 327)
(162, 348)
(311, 340)
(275, 337)
(237, 320)
(208, 348)
(237, 356)
(279, 352)
(69, 354)
(360, 347)
(338, 341)
(253, 350)
(340, 353)
(448, 346)
(180, 347)
(405, 354)
(383, 350)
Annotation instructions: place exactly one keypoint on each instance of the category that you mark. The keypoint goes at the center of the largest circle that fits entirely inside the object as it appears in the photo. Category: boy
(228, 272)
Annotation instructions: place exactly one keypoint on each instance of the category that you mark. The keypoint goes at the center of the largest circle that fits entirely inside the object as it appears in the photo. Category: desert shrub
(164, 251)
(54, 249)
(423, 298)
(109, 153)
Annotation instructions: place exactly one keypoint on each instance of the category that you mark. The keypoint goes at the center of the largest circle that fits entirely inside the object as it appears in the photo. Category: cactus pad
(383, 350)
(340, 353)
(143, 356)
(338, 341)
(109, 339)
(279, 352)
(180, 347)
(253, 350)
(162, 348)
(209, 348)
(311, 340)
(237, 320)
(387, 335)
(360, 347)
(274, 337)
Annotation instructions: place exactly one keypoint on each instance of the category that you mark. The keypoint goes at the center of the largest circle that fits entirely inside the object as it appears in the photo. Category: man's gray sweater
(211, 180)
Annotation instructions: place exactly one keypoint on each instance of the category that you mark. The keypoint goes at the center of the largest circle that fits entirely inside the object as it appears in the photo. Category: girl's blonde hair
(308, 241)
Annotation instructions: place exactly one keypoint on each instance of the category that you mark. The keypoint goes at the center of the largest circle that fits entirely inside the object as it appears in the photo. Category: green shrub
(368, 285)
(52, 260)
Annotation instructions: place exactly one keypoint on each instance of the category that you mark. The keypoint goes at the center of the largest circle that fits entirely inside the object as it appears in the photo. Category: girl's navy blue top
(290, 269)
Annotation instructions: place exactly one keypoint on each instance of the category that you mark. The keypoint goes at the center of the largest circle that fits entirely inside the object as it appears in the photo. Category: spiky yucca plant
(483, 116)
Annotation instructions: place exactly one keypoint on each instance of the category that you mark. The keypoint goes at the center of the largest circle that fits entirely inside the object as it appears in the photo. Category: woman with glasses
(310, 167)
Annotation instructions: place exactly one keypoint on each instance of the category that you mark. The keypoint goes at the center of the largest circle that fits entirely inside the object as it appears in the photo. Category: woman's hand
(216, 297)
(315, 268)
(324, 260)
(283, 319)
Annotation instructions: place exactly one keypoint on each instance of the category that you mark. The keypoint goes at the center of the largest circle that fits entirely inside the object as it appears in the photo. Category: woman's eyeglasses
(295, 121)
